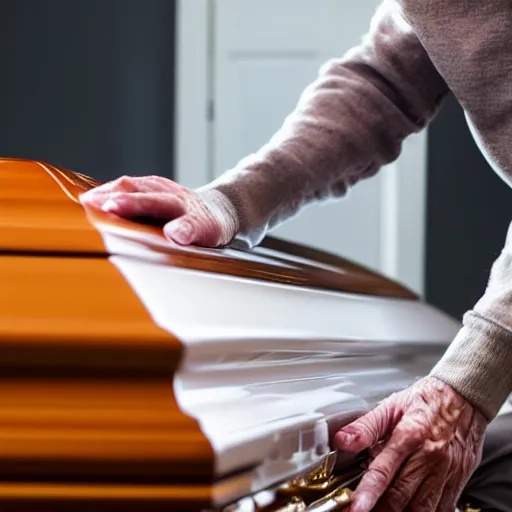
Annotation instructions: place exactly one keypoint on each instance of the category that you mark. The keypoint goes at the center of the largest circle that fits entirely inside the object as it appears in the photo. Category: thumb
(369, 429)
(181, 230)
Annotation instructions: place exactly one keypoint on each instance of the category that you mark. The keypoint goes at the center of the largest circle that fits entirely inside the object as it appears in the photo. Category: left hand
(430, 443)
(207, 219)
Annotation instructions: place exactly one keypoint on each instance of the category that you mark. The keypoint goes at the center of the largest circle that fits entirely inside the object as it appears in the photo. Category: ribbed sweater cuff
(478, 363)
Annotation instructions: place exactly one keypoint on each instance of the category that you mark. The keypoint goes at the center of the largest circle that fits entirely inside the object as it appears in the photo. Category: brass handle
(336, 500)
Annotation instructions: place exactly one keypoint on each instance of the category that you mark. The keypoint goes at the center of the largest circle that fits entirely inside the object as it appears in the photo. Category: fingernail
(344, 440)
(110, 205)
(348, 437)
(182, 233)
(349, 433)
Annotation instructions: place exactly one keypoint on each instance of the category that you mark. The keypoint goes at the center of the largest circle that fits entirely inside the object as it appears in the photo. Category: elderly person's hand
(427, 440)
(207, 219)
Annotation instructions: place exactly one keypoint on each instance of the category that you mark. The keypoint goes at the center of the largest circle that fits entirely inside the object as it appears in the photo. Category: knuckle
(420, 435)
(436, 450)
(124, 180)
(407, 440)
(123, 183)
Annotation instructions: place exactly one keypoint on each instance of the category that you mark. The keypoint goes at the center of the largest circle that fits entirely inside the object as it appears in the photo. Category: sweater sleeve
(469, 42)
(348, 123)
(478, 363)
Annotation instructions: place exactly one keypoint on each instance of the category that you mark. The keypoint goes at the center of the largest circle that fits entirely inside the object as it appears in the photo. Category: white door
(263, 53)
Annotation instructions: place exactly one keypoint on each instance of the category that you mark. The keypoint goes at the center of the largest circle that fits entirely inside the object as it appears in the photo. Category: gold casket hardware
(320, 482)
(335, 500)
(318, 490)
(294, 505)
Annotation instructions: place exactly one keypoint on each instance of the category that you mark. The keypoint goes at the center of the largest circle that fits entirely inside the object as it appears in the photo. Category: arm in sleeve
(478, 363)
(348, 123)
(470, 46)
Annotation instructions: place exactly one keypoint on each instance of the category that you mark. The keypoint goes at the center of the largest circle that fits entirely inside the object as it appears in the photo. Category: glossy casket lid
(39, 209)
(40, 213)
(139, 384)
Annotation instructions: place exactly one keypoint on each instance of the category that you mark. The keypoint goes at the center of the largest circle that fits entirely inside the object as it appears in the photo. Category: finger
(376, 449)
(455, 481)
(99, 198)
(449, 499)
(368, 430)
(129, 184)
(122, 184)
(191, 229)
(138, 204)
(181, 231)
(140, 184)
(404, 487)
(93, 197)
(383, 469)
(430, 493)
(466, 455)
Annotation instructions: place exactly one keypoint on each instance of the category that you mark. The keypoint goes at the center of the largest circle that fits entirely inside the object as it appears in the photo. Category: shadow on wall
(89, 84)
(468, 214)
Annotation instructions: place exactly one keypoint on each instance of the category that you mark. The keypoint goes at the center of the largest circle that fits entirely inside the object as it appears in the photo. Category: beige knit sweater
(352, 120)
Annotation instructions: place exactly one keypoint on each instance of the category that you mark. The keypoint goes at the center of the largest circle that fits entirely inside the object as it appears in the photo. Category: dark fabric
(490, 488)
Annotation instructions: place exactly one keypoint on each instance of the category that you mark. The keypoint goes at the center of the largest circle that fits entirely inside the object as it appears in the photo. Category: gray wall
(88, 84)
(468, 213)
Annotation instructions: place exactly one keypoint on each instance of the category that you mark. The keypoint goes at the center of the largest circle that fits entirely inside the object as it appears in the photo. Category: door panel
(265, 52)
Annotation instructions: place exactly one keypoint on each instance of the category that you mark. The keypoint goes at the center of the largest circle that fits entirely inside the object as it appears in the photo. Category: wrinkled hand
(208, 219)
(426, 440)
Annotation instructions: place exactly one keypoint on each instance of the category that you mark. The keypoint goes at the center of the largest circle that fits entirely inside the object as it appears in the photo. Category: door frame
(192, 138)
(403, 199)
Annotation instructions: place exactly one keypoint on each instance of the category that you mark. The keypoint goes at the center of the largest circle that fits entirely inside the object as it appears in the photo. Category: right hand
(207, 219)
(429, 440)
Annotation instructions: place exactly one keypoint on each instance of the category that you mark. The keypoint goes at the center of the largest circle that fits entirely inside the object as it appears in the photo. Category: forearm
(348, 124)
(478, 364)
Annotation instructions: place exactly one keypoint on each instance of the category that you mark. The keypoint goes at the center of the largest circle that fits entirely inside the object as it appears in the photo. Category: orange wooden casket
(139, 375)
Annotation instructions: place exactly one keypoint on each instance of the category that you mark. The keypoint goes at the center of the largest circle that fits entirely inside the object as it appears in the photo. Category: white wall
(250, 59)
